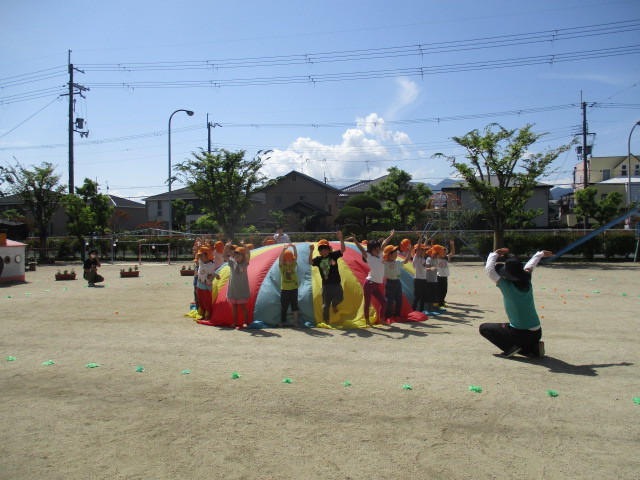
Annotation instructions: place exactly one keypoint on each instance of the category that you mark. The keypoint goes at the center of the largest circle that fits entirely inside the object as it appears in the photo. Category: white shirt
(442, 266)
(284, 238)
(376, 264)
(419, 266)
(490, 267)
(205, 269)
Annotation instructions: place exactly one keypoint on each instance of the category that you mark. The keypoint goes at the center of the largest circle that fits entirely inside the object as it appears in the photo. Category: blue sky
(342, 90)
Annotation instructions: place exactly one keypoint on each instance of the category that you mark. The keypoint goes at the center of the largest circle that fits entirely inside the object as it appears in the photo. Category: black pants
(443, 286)
(419, 294)
(393, 294)
(504, 336)
(288, 297)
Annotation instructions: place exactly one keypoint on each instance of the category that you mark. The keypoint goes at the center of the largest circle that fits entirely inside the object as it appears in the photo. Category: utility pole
(209, 127)
(72, 129)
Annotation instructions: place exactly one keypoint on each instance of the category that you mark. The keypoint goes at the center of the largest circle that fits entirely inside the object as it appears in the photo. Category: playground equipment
(589, 236)
(445, 216)
(264, 280)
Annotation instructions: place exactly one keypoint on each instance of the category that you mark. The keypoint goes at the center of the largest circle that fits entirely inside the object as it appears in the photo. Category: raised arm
(533, 261)
(387, 240)
(311, 247)
(281, 259)
(295, 250)
(343, 247)
(490, 266)
(360, 247)
(452, 249)
(226, 252)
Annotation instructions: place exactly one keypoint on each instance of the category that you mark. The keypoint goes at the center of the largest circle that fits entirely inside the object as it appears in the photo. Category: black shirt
(90, 263)
(328, 267)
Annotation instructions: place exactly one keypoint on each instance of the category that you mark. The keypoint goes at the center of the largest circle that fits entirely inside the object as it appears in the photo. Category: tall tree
(224, 181)
(402, 199)
(41, 192)
(602, 211)
(502, 173)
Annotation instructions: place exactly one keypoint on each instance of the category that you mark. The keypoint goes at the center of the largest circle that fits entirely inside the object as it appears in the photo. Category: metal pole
(190, 113)
(71, 183)
(629, 162)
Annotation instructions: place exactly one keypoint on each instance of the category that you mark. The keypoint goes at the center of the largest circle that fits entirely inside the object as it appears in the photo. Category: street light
(190, 113)
(629, 161)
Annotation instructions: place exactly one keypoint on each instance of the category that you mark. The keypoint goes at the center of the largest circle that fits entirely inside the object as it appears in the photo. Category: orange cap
(288, 255)
(218, 246)
(438, 249)
(207, 251)
(405, 245)
(269, 241)
(249, 246)
(241, 251)
(388, 250)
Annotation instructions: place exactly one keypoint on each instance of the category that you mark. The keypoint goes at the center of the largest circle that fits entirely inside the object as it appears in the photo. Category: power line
(28, 118)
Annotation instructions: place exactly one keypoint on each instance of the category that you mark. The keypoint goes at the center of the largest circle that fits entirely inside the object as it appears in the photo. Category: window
(636, 170)
(606, 174)
(624, 169)
(278, 200)
(159, 208)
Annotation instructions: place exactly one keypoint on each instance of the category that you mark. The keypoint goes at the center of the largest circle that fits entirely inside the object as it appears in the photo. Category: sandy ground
(67, 421)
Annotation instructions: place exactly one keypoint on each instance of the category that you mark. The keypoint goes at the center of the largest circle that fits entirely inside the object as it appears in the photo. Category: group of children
(431, 264)
(521, 335)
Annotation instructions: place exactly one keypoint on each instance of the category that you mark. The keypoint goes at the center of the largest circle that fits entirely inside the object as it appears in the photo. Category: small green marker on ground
(346, 383)
(287, 380)
(11, 359)
(406, 386)
(475, 388)
(636, 400)
(49, 362)
(185, 372)
(139, 368)
(235, 375)
(552, 393)
(93, 365)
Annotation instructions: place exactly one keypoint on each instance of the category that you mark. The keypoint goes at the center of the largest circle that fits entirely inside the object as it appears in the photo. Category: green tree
(502, 173)
(403, 200)
(224, 181)
(14, 215)
(99, 204)
(205, 224)
(81, 220)
(602, 211)
(180, 211)
(358, 214)
(41, 192)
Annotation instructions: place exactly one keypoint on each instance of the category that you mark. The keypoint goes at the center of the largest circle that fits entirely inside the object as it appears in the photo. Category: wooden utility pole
(72, 92)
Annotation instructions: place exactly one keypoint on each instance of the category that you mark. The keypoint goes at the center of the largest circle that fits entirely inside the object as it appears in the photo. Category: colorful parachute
(264, 281)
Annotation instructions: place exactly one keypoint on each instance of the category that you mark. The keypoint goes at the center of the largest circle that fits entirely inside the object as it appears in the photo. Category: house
(311, 205)
(600, 169)
(135, 214)
(606, 175)
(539, 199)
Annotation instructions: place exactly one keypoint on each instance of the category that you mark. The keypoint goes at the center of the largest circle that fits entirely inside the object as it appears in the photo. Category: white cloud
(357, 156)
(407, 94)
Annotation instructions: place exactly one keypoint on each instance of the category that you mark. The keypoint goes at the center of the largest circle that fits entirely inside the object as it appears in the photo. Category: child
(205, 274)
(327, 263)
(392, 287)
(238, 292)
(289, 283)
(523, 332)
(218, 259)
(442, 267)
(373, 284)
(431, 289)
(420, 277)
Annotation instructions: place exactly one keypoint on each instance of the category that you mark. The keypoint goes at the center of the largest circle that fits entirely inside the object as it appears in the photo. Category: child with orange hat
(431, 276)
(206, 274)
(288, 283)
(420, 277)
(238, 291)
(393, 267)
(327, 263)
(442, 268)
(374, 283)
